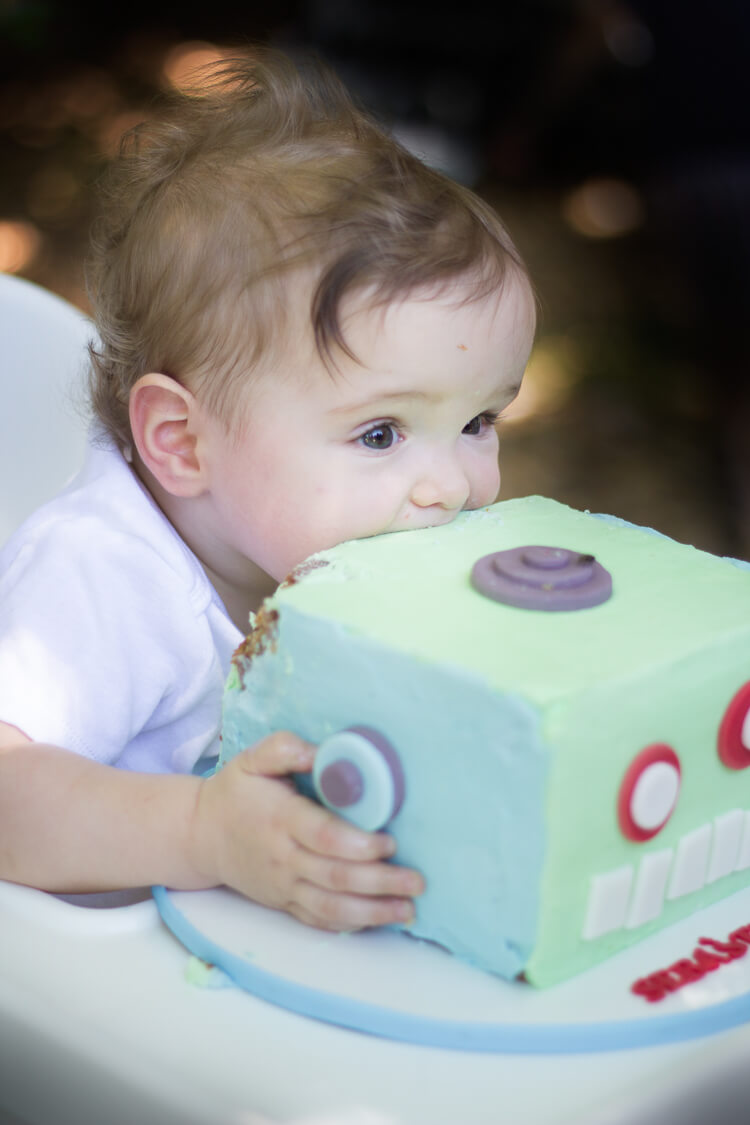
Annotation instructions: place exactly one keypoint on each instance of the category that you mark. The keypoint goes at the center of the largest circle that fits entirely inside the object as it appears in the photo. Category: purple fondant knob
(341, 783)
(547, 578)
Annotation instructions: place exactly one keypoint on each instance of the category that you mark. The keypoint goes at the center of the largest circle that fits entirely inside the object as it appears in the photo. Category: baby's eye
(481, 422)
(379, 437)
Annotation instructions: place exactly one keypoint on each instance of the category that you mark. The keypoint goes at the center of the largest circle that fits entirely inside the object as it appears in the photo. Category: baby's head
(242, 223)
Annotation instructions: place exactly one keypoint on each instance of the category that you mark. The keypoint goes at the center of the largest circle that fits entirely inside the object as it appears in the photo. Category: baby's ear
(164, 421)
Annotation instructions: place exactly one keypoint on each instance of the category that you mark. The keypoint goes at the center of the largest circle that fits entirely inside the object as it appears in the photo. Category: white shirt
(113, 643)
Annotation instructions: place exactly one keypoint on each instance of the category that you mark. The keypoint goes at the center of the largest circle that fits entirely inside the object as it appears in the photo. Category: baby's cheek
(485, 489)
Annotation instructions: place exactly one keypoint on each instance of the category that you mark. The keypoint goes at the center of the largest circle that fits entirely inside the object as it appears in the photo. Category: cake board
(387, 984)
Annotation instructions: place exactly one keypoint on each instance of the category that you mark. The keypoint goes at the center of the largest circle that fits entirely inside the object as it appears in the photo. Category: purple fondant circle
(543, 578)
(341, 783)
(545, 558)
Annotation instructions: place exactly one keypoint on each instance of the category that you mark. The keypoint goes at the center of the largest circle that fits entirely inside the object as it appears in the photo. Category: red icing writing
(707, 956)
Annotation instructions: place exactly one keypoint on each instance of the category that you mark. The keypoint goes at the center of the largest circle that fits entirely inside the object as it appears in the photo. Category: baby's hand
(279, 848)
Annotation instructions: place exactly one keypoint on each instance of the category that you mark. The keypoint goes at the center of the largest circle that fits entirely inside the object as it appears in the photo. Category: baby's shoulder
(85, 542)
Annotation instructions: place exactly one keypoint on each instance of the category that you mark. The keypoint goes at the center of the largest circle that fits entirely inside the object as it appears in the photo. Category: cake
(549, 710)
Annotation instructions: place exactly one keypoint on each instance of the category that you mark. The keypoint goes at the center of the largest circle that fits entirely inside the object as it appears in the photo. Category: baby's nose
(442, 483)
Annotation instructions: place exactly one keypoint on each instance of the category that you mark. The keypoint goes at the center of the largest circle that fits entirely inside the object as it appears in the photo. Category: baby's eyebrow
(382, 398)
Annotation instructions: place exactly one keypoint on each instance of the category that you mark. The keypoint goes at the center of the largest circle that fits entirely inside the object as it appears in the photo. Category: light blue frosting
(462, 836)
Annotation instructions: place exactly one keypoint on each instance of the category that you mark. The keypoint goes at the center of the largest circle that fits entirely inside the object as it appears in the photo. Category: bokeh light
(550, 378)
(112, 129)
(19, 244)
(604, 208)
(184, 63)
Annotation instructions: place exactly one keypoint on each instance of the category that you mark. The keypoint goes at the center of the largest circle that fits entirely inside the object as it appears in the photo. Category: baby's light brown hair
(214, 208)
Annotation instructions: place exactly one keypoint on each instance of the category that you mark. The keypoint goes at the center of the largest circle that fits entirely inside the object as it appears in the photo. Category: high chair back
(43, 424)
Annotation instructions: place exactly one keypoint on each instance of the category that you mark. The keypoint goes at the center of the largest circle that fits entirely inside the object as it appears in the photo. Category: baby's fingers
(323, 832)
(330, 911)
(370, 879)
(276, 755)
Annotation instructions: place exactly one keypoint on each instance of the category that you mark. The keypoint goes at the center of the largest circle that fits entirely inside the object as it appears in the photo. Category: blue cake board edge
(404, 1027)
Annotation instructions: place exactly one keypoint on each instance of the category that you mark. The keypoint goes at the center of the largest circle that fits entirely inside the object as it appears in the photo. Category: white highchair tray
(388, 984)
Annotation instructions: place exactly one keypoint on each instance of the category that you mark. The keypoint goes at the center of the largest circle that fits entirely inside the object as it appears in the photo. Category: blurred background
(611, 135)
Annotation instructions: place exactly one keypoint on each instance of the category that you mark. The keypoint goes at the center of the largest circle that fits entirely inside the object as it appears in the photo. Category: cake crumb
(302, 570)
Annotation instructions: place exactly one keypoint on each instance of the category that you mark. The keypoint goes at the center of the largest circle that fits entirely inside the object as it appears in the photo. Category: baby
(305, 336)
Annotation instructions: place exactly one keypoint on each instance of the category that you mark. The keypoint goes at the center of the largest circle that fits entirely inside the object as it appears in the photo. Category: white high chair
(43, 362)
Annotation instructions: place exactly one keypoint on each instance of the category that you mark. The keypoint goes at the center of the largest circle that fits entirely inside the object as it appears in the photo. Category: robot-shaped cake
(549, 710)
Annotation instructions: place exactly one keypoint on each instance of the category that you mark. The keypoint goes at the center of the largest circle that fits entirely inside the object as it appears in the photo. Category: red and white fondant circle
(649, 792)
(734, 732)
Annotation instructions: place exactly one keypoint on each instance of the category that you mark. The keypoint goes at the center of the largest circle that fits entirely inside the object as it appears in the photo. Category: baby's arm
(70, 824)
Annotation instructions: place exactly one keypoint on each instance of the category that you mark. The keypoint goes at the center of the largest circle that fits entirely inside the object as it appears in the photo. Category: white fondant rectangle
(691, 862)
(608, 902)
(726, 844)
(648, 896)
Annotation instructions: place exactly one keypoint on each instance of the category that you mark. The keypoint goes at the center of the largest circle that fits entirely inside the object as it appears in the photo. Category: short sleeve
(100, 643)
